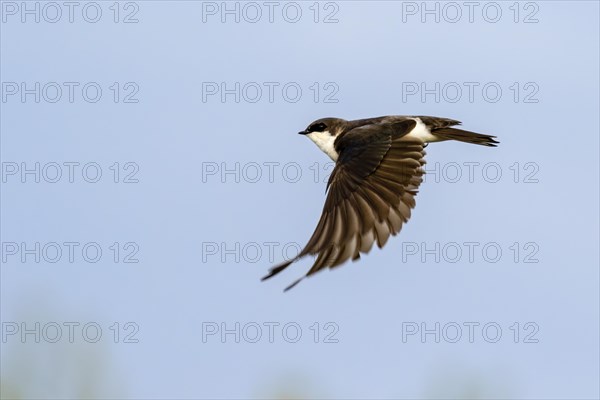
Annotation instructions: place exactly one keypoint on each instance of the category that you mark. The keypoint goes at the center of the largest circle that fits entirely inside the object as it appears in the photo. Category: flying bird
(372, 188)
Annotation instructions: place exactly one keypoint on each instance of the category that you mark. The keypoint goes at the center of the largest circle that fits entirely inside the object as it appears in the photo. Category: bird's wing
(370, 194)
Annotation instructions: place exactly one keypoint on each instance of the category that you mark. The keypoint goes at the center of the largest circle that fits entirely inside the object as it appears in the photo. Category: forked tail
(465, 136)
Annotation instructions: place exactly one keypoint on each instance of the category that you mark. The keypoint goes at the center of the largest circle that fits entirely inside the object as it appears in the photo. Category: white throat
(324, 141)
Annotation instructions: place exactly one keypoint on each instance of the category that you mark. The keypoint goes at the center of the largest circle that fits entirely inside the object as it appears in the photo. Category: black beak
(303, 133)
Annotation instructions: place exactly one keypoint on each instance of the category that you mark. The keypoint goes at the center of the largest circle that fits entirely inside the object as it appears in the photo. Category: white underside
(324, 141)
(423, 133)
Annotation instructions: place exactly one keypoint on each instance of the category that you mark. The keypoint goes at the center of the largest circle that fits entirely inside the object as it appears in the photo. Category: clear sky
(151, 174)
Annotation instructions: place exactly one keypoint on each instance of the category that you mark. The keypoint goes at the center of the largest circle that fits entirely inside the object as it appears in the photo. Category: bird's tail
(465, 136)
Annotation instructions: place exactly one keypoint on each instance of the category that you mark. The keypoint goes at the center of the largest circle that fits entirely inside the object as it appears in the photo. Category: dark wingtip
(297, 281)
(275, 270)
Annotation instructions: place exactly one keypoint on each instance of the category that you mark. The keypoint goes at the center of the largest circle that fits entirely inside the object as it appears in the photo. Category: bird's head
(324, 127)
(323, 133)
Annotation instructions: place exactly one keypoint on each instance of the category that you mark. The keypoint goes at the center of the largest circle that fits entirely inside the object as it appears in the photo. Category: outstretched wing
(370, 194)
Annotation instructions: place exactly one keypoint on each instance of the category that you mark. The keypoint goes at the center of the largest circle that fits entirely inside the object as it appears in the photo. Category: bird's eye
(320, 127)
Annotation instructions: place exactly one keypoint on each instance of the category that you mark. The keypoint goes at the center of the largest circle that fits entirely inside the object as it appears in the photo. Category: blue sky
(198, 188)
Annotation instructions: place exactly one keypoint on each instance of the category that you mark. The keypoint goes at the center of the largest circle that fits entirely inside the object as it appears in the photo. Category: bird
(372, 187)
